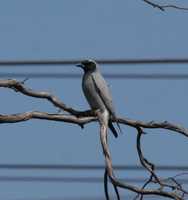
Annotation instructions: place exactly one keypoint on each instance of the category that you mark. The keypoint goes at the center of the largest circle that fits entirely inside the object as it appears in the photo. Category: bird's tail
(111, 127)
(119, 127)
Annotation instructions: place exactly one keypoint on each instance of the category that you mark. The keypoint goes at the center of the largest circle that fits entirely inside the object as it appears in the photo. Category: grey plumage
(96, 91)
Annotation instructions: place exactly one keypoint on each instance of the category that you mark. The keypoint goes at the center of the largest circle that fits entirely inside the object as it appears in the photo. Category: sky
(69, 29)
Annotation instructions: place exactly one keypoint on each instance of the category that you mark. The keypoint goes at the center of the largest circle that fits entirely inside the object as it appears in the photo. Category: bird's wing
(103, 91)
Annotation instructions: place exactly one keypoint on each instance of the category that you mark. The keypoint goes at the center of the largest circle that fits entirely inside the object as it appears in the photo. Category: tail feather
(110, 125)
(119, 127)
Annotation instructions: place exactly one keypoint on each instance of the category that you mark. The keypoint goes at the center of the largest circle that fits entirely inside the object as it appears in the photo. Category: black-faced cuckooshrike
(97, 92)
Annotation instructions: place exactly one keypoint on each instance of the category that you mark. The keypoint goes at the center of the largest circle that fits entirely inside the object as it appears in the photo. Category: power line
(92, 180)
(100, 61)
(84, 167)
(60, 179)
(91, 197)
(94, 197)
(169, 76)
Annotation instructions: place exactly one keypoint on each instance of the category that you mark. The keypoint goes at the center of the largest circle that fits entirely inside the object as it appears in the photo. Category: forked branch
(118, 184)
(83, 117)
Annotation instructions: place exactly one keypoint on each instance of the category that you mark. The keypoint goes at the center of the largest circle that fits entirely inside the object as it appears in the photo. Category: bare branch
(82, 120)
(163, 7)
(20, 87)
(83, 117)
(153, 124)
(20, 117)
(145, 163)
(110, 172)
(151, 168)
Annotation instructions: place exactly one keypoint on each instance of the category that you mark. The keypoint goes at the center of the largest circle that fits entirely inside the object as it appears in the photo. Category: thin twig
(163, 7)
(145, 163)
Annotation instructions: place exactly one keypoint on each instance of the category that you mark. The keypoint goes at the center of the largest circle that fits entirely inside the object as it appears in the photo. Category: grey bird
(97, 92)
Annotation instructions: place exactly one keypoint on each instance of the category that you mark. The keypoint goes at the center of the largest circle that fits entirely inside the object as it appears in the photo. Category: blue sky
(69, 29)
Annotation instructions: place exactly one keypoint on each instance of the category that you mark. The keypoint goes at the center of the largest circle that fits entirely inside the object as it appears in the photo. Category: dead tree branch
(163, 7)
(83, 117)
(20, 87)
(77, 117)
(82, 120)
(110, 172)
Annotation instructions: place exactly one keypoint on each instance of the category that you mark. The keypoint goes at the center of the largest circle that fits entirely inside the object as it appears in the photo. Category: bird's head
(88, 65)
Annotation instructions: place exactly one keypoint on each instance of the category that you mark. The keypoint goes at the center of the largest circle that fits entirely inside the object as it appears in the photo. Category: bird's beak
(80, 65)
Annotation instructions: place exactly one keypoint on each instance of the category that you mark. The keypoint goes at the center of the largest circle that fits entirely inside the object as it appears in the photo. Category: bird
(97, 92)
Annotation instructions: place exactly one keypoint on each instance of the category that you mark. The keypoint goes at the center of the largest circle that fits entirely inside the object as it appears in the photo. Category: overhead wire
(13, 166)
(62, 75)
(160, 76)
(61, 62)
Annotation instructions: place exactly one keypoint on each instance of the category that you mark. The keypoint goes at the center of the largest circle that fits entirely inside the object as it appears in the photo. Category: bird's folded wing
(103, 91)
